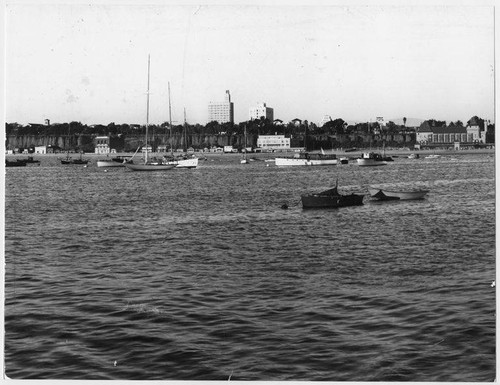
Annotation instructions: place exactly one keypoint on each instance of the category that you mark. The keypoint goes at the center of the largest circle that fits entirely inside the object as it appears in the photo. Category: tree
(335, 127)
(404, 122)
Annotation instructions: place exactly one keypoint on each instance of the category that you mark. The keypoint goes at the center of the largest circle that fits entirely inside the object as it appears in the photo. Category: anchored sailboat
(245, 160)
(183, 162)
(148, 165)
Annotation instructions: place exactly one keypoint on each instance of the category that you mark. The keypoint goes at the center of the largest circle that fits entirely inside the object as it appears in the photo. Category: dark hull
(15, 163)
(316, 201)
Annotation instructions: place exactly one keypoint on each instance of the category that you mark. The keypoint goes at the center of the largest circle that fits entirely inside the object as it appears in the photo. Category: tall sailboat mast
(170, 121)
(147, 115)
(185, 131)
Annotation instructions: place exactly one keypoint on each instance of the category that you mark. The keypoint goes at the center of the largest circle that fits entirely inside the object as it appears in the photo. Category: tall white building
(221, 112)
(261, 110)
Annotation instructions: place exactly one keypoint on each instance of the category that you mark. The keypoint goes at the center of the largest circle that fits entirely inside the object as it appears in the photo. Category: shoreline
(339, 152)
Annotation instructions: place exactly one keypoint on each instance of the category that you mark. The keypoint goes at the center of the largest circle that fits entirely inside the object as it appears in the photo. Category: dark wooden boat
(15, 163)
(330, 199)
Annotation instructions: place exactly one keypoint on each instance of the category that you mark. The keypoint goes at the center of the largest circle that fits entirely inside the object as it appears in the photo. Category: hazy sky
(88, 62)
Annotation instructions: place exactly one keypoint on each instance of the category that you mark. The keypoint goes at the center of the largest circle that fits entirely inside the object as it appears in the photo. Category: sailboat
(148, 165)
(183, 162)
(245, 160)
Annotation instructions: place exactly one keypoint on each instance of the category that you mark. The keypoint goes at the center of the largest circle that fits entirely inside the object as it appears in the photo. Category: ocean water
(201, 275)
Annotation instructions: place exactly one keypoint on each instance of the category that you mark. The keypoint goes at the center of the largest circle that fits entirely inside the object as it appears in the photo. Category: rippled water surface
(201, 275)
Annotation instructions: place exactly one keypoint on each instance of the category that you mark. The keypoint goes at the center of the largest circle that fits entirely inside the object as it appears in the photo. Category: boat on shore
(308, 159)
(386, 195)
(371, 159)
(331, 198)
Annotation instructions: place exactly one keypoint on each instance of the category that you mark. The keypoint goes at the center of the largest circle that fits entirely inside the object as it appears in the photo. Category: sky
(88, 62)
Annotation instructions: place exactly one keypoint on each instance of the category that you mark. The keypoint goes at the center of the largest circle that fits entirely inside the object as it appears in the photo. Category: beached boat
(148, 165)
(371, 159)
(383, 194)
(308, 159)
(330, 199)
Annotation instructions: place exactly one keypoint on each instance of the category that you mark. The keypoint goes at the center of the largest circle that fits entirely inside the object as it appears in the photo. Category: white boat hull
(109, 163)
(304, 162)
(184, 163)
(149, 167)
(397, 195)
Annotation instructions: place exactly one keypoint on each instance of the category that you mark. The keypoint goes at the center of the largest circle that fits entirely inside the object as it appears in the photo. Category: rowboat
(330, 199)
(384, 195)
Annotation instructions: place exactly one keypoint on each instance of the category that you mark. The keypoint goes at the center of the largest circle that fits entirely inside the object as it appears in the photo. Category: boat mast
(245, 141)
(185, 132)
(147, 115)
(170, 121)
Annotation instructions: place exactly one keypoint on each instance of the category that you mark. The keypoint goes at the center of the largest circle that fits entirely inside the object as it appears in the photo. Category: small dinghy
(386, 195)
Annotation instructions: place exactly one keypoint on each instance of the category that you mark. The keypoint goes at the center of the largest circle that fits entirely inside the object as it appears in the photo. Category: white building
(102, 145)
(261, 110)
(221, 112)
(40, 149)
(273, 142)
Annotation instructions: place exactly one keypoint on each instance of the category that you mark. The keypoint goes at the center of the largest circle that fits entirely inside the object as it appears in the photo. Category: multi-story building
(474, 133)
(261, 110)
(221, 112)
(273, 142)
(102, 145)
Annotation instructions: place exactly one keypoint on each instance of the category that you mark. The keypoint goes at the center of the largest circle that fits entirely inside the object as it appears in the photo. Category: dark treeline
(334, 133)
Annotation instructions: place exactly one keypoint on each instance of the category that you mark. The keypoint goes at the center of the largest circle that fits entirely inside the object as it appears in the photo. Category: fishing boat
(182, 161)
(148, 165)
(371, 159)
(308, 159)
(29, 160)
(70, 160)
(385, 195)
(15, 163)
(331, 199)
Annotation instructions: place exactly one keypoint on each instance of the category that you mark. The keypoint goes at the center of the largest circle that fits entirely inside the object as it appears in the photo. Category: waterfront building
(474, 133)
(273, 142)
(221, 112)
(102, 145)
(476, 130)
(40, 149)
(261, 111)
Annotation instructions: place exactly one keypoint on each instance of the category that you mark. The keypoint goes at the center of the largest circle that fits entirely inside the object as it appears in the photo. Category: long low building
(273, 143)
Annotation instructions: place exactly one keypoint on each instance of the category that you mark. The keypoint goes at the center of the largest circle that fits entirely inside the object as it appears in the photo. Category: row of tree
(261, 126)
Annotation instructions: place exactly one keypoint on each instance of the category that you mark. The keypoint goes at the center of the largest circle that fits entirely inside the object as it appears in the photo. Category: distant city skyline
(88, 62)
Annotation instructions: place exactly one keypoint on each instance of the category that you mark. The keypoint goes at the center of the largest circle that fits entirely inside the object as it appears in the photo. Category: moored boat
(117, 161)
(371, 159)
(383, 194)
(15, 163)
(330, 199)
(149, 165)
(308, 159)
